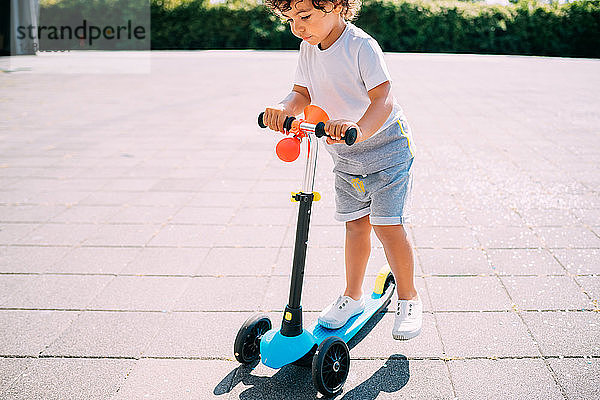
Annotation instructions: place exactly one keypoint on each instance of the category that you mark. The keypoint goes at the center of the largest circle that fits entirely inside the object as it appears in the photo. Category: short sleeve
(301, 78)
(371, 63)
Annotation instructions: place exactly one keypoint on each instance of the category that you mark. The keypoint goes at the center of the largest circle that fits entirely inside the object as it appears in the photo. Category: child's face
(314, 25)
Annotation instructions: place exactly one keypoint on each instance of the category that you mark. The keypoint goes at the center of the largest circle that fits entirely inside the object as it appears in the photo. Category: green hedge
(528, 27)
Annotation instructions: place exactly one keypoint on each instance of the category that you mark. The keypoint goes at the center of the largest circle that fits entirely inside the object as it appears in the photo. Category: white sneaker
(409, 319)
(340, 311)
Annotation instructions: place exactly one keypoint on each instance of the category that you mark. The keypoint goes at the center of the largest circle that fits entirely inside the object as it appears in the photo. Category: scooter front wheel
(246, 347)
(330, 367)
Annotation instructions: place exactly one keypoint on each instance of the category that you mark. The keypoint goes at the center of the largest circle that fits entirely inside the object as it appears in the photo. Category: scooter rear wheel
(330, 367)
(246, 347)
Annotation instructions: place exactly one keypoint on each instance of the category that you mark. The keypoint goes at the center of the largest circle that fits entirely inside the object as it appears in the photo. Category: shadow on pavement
(390, 378)
(295, 382)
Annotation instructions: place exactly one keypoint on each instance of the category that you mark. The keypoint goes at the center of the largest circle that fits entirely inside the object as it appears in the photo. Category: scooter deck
(354, 324)
(277, 350)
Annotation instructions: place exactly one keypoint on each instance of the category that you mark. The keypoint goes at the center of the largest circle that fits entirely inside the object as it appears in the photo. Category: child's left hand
(336, 128)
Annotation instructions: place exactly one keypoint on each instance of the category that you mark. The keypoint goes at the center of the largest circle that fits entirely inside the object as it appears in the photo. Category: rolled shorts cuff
(353, 215)
(390, 220)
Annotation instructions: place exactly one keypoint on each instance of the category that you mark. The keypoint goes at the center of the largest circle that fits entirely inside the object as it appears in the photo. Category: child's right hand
(274, 117)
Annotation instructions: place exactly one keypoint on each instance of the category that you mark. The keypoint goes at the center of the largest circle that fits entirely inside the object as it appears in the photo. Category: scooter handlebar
(260, 120)
(287, 124)
(349, 136)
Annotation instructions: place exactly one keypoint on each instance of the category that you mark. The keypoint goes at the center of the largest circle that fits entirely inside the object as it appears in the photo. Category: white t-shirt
(339, 77)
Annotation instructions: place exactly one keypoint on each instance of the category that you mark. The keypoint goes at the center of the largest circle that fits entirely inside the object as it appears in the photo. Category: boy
(342, 70)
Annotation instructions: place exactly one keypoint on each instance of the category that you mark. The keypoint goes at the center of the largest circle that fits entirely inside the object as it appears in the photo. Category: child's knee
(391, 233)
(360, 226)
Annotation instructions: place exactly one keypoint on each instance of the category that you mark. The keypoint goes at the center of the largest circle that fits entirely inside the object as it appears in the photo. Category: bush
(526, 27)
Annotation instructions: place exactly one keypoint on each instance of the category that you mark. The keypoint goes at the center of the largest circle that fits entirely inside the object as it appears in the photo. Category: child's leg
(357, 251)
(398, 251)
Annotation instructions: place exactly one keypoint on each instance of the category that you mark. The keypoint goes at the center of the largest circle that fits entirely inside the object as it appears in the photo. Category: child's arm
(382, 104)
(292, 105)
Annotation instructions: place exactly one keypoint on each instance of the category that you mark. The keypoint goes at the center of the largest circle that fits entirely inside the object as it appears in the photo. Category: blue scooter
(325, 350)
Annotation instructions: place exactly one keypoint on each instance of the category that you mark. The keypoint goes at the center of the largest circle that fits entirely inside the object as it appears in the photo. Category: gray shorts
(385, 195)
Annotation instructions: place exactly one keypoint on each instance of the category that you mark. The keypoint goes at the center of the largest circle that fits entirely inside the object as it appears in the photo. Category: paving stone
(70, 378)
(122, 235)
(59, 235)
(169, 199)
(523, 262)
(580, 377)
(481, 293)
(29, 259)
(27, 333)
(9, 284)
(93, 260)
(549, 217)
(143, 215)
(264, 216)
(85, 214)
(375, 338)
(223, 294)
(565, 333)
(568, 237)
(276, 200)
(166, 261)
(179, 379)
(322, 236)
(250, 236)
(186, 236)
(545, 292)
(204, 215)
(492, 216)
(148, 293)
(434, 199)
(438, 217)
(397, 377)
(368, 379)
(223, 199)
(56, 291)
(236, 261)
(506, 237)
(10, 369)
(485, 334)
(444, 237)
(229, 186)
(453, 261)
(320, 215)
(107, 334)
(511, 378)
(579, 261)
(590, 285)
(588, 216)
(29, 213)
(261, 382)
(193, 334)
(11, 233)
(109, 198)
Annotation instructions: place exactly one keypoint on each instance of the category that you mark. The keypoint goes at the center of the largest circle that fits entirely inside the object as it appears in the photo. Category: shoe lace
(343, 304)
(410, 308)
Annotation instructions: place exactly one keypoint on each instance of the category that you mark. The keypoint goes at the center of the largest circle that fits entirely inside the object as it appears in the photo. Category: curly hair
(350, 8)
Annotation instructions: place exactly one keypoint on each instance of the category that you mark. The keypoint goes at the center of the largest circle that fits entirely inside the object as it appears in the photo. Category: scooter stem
(292, 318)
(311, 162)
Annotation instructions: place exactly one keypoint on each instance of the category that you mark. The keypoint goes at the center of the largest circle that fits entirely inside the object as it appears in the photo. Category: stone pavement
(144, 216)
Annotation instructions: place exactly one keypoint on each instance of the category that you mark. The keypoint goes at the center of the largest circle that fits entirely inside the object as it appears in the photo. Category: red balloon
(288, 149)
